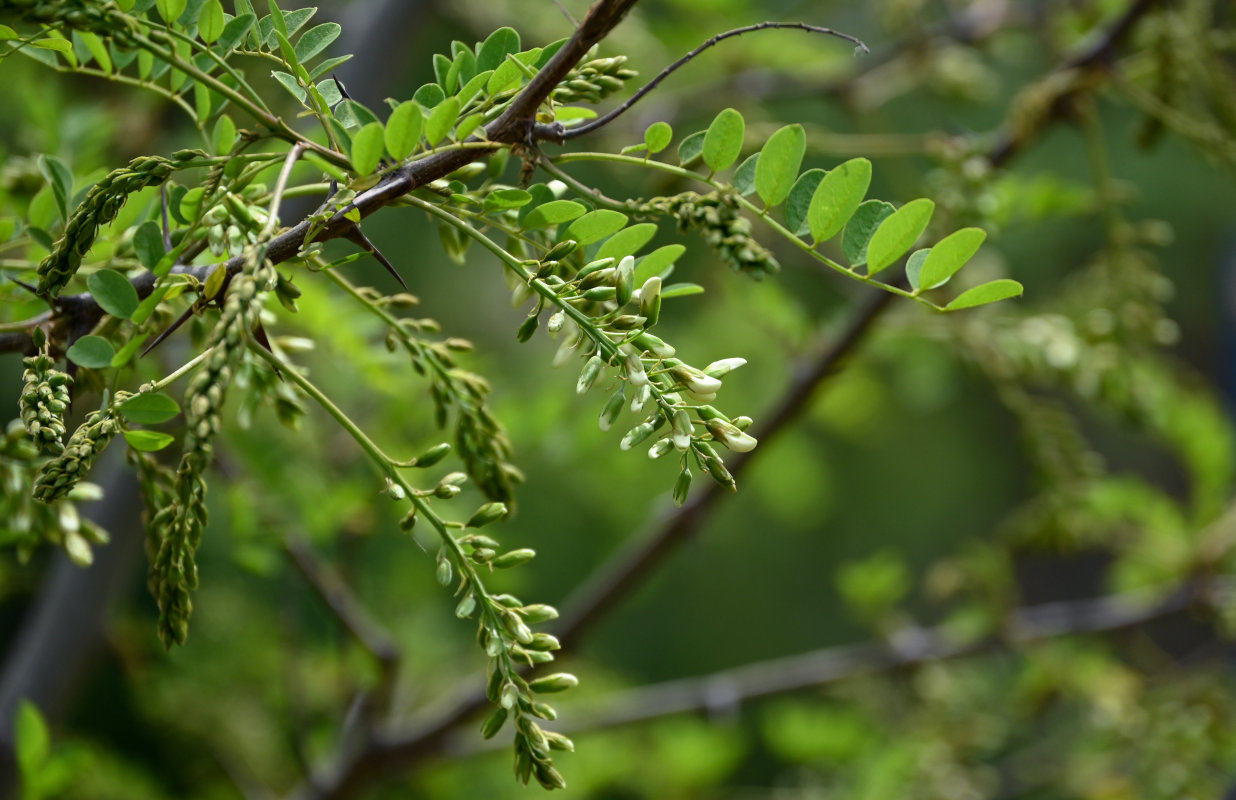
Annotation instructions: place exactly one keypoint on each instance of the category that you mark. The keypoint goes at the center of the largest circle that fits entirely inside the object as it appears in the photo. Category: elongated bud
(682, 486)
(558, 682)
(613, 407)
(626, 280)
(588, 375)
(661, 447)
(593, 266)
(653, 344)
(696, 382)
(544, 641)
(743, 422)
(544, 711)
(635, 370)
(636, 435)
(490, 512)
(528, 327)
(493, 723)
(514, 558)
(561, 250)
(466, 606)
(723, 367)
(559, 742)
(626, 322)
(555, 323)
(444, 572)
(650, 300)
(601, 293)
(682, 430)
(642, 395)
(538, 612)
(433, 455)
(730, 436)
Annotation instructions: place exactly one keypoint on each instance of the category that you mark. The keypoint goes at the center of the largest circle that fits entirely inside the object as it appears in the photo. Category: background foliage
(1023, 510)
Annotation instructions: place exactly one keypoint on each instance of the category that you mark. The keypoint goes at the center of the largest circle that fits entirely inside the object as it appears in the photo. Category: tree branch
(722, 691)
(1094, 56)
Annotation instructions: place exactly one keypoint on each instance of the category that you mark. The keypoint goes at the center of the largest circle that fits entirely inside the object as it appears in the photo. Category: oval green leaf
(691, 148)
(148, 441)
(914, 266)
(210, 22)
(441, 120)
(723, 139)
(681, 290)
(113, 292)
(316, 39)
(148, 244)
(658, 262)
(429, 95)
(149, 408)
(658, 136)
(552, 213)
(367, 147)
(494, 49)
(627, 242)
(799, 201)
(949, 255)
(596, 225)
(837, 198)
(744, 176)
(507, 198)
(861, 226)
(984, 293)
(91, 352)
(777, 168)
(898, 233)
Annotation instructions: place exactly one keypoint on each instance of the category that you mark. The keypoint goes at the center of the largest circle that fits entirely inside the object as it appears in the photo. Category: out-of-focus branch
(722, 691)
(345, 606)
(1067, 79)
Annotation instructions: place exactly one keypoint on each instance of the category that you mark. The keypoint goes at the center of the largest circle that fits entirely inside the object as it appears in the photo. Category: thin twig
(546, 132)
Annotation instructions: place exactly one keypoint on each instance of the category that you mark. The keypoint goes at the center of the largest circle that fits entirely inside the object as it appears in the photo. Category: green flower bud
(490, 512)
(493, 723)
(555, 323)
(652, 344)
(601, 293)
(558, 682)
(588, 375)
(537, 613)
(433, 455)
(636, 435)
(561, 250)
(682, 486)
(514, 558)
(723, 367)
(528, 327)
(626, 280)
(593, 266)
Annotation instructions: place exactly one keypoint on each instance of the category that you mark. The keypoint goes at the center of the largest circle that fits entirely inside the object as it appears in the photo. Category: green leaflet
(898, 233)
(403, 129)
(859, 229)
(799, 201)
(691, 148)
(949, 255)
(494, 49)
(627, 242)
(837, 198)
(441, 120)
(777, 168)
(658, 136)
(723, 140)
(368, 145)
(149, 408)
(984, 293)
(92, 352)
(596, 225)
(552, 213)
(113, 292)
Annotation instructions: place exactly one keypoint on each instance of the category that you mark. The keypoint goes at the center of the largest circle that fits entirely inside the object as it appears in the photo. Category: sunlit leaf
(148, 441)
(780, 159)
(403, 129)
(837, 198)
(898, 233)
(990, 292)
(627, 242)
(494, 49)
(658, 136)
(441, 120)
(149, 408)
(949, 255)
(723, 139)
(596, 225)
(316, 39)
(553, 212)
(211, 22)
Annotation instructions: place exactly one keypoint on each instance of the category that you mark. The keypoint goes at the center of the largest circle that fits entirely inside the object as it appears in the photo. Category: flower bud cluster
(100, 206)
(593, 81)
(44, 399)
(179, 525)
(716, 216)
(233, 224)
(58, 476)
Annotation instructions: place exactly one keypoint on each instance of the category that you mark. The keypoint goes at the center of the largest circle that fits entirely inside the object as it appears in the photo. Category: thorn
(342, 91)
(357, 237)
(24, 285)
(259, 335)
(169, 330)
